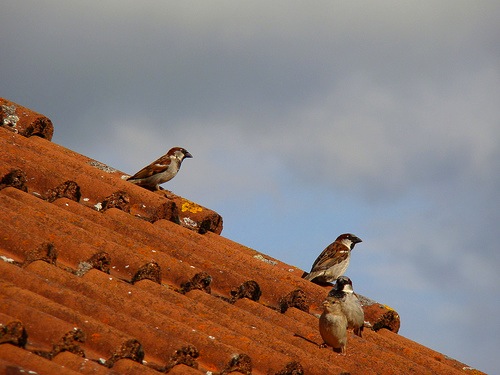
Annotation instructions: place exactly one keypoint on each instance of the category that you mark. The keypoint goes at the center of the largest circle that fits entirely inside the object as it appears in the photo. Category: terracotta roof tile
(79, 364)
(24, 121)
(141, 286)
(184, 370)
(18, 361)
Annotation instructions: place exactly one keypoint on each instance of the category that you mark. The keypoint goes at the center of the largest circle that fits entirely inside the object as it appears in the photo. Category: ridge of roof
(101, 276)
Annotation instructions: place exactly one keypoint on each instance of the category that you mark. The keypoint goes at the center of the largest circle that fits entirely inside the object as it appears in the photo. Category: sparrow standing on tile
(161, 170)
(349, 304)
(333, 261)
(333, 325)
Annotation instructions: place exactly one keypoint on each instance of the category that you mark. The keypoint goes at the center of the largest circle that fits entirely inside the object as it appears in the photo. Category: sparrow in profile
(161, 170)
(333, 325)
(349, 304)
(333, 261)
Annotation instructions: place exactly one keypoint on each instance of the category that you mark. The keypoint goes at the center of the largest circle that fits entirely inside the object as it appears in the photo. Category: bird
(333, 261)
(333, 326)
(161, 170)
(349, 304)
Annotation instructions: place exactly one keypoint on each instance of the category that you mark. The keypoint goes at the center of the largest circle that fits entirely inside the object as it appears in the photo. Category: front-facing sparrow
(161, 170)
(333, 325)
(333, 261)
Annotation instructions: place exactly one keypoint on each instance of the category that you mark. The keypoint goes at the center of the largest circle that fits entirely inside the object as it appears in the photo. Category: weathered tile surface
(134, 287)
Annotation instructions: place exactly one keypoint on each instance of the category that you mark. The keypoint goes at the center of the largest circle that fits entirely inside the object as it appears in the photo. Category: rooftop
(101, 276)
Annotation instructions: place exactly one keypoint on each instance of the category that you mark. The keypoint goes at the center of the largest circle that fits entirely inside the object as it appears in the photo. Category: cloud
(367, 139)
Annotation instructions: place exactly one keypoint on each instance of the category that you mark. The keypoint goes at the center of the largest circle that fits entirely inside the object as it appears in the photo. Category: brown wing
(155, 167)
(334, 253)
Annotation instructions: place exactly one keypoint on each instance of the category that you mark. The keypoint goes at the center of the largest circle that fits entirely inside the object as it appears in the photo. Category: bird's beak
(188, 155)
(357, 240)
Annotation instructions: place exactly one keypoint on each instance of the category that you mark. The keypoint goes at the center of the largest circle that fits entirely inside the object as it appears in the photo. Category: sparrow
(161, 170)
(333, 261)
(333, 325)
(349, 304)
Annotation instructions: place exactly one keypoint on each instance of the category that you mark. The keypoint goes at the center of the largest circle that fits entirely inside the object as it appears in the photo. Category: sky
(306, 120)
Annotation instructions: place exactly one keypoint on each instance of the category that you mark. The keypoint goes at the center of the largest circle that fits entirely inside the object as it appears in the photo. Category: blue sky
(305, 120)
